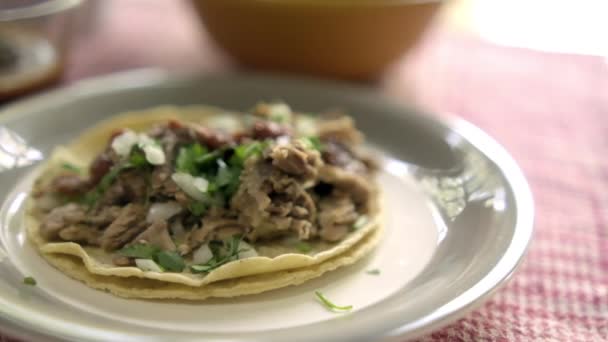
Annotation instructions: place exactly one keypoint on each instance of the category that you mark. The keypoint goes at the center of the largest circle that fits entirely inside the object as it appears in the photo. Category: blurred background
(391, 43)
(533, 74)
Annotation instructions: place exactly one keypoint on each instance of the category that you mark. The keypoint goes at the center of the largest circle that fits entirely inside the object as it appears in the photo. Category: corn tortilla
(277, 265)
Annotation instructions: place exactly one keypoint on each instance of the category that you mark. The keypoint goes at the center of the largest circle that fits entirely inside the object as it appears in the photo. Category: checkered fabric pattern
(551, 112)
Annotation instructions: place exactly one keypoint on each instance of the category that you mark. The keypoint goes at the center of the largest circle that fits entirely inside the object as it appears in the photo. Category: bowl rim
(343, 4)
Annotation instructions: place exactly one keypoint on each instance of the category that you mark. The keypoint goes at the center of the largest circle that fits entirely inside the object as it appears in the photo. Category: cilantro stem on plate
(374, 271)
(331, 306)
(29, 281)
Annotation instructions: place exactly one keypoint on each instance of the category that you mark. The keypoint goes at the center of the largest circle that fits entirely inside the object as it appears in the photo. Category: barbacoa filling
(188, 192)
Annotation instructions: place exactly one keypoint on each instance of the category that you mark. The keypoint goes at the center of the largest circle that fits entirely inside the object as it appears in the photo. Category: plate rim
(471, 298)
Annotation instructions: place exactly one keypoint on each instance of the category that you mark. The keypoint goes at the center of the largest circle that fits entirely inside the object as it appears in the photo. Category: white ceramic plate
(458, 220)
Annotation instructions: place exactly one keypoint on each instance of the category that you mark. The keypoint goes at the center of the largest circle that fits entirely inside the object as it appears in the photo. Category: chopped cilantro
(224, 175)
(137, 159)
(231, 249)
(95, 194)
(187, 158)
(29, 281)
(303, 247)
(198, 208)
(139, 251)
(235, 181)
(70, 167)
(278, 118)
(242, 152)
(329, 305)
(170, 261)
(167, 260)
(312, 142)
(375, 271)
(208, 158)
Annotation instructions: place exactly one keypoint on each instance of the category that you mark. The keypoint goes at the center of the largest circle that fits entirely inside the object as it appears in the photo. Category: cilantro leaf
(140, 251)
(187, 158)
(313, 142)
(231, 252)
(242, 152)
(95, 194)
(235, 181)
(375, 271)
(70, 167)
(137, 159)
(170, 261)
(198, 208)
(29, 281)
(208, 158)
(224, 174)
(303, 247)
(331, 306)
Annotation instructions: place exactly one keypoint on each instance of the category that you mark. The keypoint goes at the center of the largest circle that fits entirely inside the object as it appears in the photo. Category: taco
(197, 202)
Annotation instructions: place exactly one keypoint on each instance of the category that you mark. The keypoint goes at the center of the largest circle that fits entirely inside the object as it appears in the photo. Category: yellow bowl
(353, 39)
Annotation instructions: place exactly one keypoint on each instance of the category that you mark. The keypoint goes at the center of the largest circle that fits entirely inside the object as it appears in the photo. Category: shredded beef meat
(170, 141)
(291, 188)
(338, 154)
(294, 159)
(61, 218)
(274, 200)
(70, 185)
(341, 129)
(337, 213)
(129, 223)
(129, 187)
(358, 187)
(104, 216)
(269, 130)
(81, 233)
(215, 228)
(122, 261)
(212, 138)
(100, 167)
(72, 222)
(157, 234)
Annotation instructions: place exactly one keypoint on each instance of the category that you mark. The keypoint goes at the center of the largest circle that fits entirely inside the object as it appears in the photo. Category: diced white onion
(123, 143)
(306, 126)
(283, 140)
(249, 251)
(148, 265)
(143, 140)
(202, 255)
(360, 222)
(163, 211)
(195, 187)
(280, 112)
(227, 123)
(154, 154)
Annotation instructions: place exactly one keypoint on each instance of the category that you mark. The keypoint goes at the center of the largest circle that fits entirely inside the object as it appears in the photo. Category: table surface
(549, 110)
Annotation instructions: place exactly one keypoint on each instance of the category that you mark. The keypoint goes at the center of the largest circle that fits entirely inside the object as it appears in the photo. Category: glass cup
(34, 39)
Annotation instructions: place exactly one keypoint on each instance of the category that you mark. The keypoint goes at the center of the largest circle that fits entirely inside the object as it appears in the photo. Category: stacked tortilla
(277, 264)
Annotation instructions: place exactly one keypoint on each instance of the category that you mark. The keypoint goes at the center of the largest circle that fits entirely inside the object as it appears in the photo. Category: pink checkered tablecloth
(549, 110)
